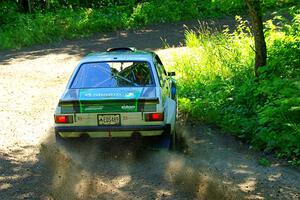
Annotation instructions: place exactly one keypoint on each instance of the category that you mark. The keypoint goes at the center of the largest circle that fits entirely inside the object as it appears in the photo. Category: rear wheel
(62, 140)
(58, 138)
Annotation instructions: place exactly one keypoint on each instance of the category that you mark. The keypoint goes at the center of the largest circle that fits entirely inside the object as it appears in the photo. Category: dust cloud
(123, 169)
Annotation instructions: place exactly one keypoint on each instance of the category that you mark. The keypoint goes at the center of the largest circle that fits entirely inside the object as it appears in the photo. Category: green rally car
(122, 92)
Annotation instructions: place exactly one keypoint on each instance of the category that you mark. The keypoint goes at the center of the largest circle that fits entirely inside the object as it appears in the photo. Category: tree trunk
(259, 38)
(29, 6)
(25, 6)
(44, 4)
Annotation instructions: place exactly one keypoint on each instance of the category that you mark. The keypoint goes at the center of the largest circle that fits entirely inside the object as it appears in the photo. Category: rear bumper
(82, 129)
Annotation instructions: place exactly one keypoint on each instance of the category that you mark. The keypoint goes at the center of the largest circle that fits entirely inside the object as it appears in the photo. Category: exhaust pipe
(136, 135)
(84, 137)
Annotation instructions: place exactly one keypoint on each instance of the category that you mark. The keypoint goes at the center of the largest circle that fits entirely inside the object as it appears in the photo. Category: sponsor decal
(102, 94)
(89, 108)
(129, 95)
(80, 118)
(101, 100)
(128, 107)
(106, 96)
(110, 93)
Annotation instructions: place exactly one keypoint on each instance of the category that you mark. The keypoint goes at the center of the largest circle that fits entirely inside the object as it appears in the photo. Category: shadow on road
(22, 178)
(149, 38)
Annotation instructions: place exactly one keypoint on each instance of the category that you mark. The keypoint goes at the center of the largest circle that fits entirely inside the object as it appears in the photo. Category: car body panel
(88, 107)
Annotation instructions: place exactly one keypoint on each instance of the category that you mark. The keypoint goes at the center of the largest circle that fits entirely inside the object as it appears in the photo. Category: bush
(72, 18)
(68, 23)
(217, 84)
(279, 127)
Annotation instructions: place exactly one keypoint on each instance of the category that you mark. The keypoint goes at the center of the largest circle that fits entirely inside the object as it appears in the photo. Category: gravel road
(212, 165)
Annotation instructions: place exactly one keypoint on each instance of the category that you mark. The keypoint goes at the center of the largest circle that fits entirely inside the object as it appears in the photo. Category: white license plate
(107, 119)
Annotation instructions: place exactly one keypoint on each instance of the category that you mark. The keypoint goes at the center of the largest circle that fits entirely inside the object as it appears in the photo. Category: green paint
(109, 100)
(102, 108)
(80, 105)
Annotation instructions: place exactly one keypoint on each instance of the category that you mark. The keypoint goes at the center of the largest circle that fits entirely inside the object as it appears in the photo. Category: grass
(217, 84)
(65, 24)
(19, 29)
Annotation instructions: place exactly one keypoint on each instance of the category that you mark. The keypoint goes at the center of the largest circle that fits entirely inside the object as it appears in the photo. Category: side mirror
(171, 74)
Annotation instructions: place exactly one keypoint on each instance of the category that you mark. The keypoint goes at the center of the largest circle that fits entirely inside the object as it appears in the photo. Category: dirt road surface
(32, 166)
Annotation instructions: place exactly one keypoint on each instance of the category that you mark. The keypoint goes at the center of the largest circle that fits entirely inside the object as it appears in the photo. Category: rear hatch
(109, 106)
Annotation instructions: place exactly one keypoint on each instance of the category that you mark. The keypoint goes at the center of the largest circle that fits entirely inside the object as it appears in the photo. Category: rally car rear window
(113, 74)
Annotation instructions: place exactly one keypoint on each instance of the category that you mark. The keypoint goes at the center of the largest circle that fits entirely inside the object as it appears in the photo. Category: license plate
(109, 119)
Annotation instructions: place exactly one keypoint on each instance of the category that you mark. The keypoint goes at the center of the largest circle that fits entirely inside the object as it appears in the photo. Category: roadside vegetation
(29, 22)
(217, 84)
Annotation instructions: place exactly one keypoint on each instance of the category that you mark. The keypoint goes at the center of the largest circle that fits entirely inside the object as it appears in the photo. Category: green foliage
(63, 19)
(228, 7)
(7, 12)
(69, 20)
(279, 113)
(159, 11)
(217, 83)
(67, 23)
(277, 3)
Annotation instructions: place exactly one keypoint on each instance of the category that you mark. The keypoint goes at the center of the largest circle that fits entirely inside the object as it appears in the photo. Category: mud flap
(165, 142)
(170, 110)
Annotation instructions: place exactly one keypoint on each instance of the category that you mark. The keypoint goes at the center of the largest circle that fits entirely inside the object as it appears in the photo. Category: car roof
(119, 54)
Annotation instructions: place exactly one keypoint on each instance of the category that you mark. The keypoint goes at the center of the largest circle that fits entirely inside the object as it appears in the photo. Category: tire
(58, 138)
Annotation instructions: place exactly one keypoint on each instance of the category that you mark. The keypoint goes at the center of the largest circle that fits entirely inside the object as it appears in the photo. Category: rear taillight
(63, 119)
(154, 117)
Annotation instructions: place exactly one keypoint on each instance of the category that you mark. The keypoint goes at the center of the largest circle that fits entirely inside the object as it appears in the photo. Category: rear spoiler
(121, 49)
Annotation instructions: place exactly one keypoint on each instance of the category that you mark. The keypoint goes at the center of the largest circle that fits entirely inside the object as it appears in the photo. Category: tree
(44, 4)
(259, 38)
(29, 6)
(25, 5)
